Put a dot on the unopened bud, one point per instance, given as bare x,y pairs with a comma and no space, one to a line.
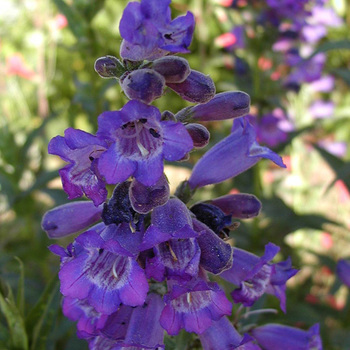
197,87
226,105
240,205
144,85
109,67
199,134
174,69
167,115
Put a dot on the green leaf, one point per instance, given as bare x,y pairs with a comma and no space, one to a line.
39,314
18,334
331,45
342,73
76,22
20,291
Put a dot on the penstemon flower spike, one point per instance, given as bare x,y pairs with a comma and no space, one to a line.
143,269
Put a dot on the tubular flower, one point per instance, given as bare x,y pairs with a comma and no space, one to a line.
138,143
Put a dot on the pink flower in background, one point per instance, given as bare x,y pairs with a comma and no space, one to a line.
16,65
60,21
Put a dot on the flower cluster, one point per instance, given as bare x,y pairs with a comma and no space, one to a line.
143,263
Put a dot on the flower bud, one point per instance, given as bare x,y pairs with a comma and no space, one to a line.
109,67
70,218
241,205
144,85
226,105
199,134
167,115
197,87
174,69
145,198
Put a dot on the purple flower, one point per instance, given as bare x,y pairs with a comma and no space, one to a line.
175,259
149,33
256,276
170,221
343,271
174,69
138,143
200,134
216,255
322,109
194,307
324,84
226,105
82,150
269,131
70,218
91,271
136,327
277,337
222,335
89,320
231,156
240,205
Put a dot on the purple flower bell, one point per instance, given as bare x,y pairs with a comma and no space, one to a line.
194,306
233,155
91,271
149,33
240,205
343,271
277,337
256,276
70,218
82,150
222,335
174,69
138,142
200,134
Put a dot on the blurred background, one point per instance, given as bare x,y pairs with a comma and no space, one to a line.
294,64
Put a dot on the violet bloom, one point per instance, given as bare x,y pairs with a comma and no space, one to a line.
322,109
343,271
138,143
70,218
222,335
149,33
194,307
89,320
269,131
324,84
170,221
81,176
277,337
256,276
233,155
91,271
137,327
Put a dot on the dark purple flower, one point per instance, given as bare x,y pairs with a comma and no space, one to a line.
233,155
103,278
194,307
216,255
173,69
170,221
200,134
144,85
175,259
82,150
109,67
144,199
89,320
222,335
149,33
70,218
226,105
240,205
256,276
343,271
277,337
137,327
138,143
197,87
269,131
